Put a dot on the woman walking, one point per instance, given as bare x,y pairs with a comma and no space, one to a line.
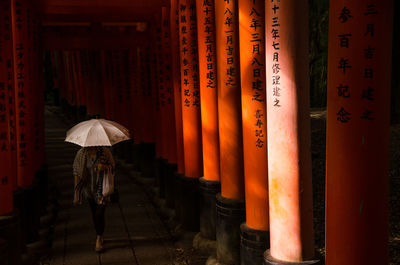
93,171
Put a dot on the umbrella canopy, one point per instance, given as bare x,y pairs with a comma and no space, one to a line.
97,132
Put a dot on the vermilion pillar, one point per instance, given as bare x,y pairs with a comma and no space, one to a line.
176,84
229,104
9,62
357,141
210,182
7,173
190,95
288,125
22,94
230,133
168,89
190,89
208,88
252,69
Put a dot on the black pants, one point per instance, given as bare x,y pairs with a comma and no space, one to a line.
98,211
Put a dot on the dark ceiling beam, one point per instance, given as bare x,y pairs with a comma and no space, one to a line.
99,10
53,40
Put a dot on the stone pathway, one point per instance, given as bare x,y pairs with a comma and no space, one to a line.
134,233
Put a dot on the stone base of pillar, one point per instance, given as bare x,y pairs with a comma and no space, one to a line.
10,232
169,182
253,244
32,202
178,196
188,203
160,165
204,245
42,179
146,159
230,215
269,260
208,191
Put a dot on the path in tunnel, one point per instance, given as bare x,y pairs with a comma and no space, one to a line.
134,233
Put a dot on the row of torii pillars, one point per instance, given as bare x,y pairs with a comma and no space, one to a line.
222,92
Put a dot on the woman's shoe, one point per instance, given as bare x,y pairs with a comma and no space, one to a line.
99,244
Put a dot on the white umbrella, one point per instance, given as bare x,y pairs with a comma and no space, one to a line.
97,132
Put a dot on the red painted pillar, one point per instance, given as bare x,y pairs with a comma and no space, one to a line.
168,93
208,88
191,119
230,132
190,89
9,62
288,124
23,94
357,141
7,173
252,70
210,182
176,83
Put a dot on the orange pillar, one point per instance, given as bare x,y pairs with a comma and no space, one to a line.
208,88
176,83
169,132
288,125
190,90
9,60
252,70
210,182
229,105
7,173
24,126
230,133
191,121
357,141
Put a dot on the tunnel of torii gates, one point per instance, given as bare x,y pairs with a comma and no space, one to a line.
216,97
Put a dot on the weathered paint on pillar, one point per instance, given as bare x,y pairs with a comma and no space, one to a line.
176,83
168,89
229,102
288,125
252,69
7,173
357,141
22,94
208,88
190,89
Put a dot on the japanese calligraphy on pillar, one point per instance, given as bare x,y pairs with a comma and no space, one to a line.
22,92
166,51
207,44
8,59
5,151
189,59
275,84
349,64
254,58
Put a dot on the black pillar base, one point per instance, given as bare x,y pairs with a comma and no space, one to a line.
188,204
208,191
269,260
178,196
147,156
160,164
32,201
169,182
253,244
230,215
10,232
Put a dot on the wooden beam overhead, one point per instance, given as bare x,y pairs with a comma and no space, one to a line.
99,10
